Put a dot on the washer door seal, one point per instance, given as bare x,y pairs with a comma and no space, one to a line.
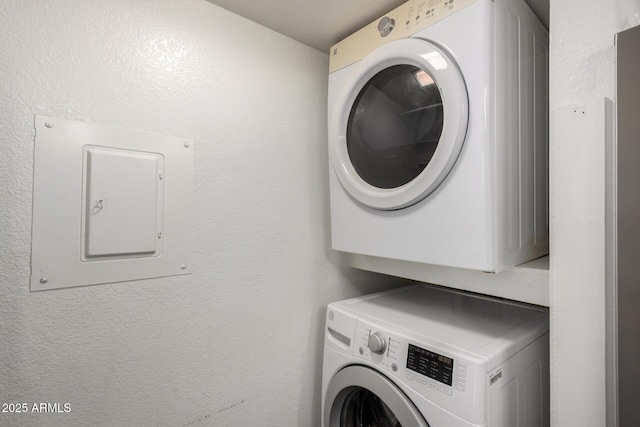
400,123
354,378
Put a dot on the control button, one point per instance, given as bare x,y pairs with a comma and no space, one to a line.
410,375
460,378
422,380
457,387
460,383
386,25
377,343
461,364
446,390
432,384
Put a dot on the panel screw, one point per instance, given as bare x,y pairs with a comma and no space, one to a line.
184,267
49,125
160,176
44,280
159,235
186,145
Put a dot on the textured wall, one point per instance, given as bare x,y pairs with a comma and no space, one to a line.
581,71
582,65
238,343
627,14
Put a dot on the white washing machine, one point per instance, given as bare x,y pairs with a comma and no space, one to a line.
438,135
425,356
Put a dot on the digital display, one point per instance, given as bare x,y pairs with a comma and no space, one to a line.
430,364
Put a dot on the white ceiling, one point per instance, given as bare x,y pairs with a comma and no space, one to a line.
321,24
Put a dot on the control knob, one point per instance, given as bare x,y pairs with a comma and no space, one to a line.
377,343
386,25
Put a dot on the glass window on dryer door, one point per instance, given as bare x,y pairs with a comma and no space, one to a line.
394,126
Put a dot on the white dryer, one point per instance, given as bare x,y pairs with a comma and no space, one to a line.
438,135
423,356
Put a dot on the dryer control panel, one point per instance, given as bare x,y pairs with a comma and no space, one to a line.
401,22
432,369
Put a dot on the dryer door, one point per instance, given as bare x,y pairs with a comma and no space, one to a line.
399,125
360,396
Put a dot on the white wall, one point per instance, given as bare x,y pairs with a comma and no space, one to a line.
582,67
627,14
581,71
238,343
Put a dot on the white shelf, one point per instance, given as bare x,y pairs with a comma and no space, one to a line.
527,282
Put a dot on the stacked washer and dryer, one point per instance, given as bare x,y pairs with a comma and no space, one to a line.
438,144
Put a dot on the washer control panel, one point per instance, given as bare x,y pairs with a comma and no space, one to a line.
377,343
430,364
434,370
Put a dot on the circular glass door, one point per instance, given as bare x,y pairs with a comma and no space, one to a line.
359,396
394,126
363,408
399,125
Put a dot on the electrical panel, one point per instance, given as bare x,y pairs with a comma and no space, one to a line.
109,205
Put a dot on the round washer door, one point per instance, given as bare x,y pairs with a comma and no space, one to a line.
399,124
360,396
